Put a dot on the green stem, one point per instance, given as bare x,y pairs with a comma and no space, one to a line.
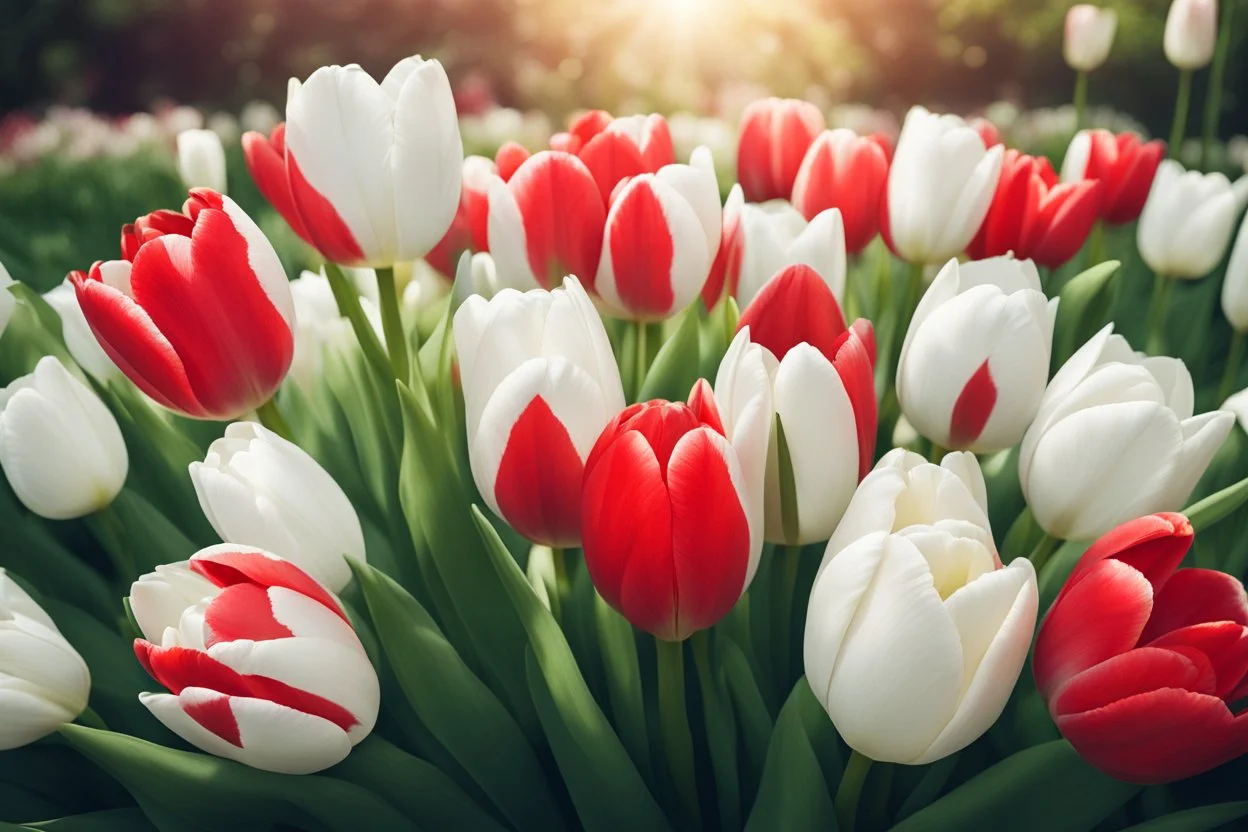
1155,342
849,791
936,453
674,724
850,304
1096,250
1081,98
1044,550
348,300
914,292
91,719
1231,374
1181,105
785,587
640,361
109,531
1213,98
392,324
559,557
271,417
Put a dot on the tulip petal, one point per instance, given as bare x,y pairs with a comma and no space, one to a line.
611,157
228,564
266,162
1225,643
1154,545
1196,596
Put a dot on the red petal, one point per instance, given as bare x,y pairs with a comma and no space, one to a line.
754,170
1130,674
326,230
1154,545
538,487
662,424
215,714
1131,179
973,408
589,124
641,249
656,144
130,242
855,364
563,216
1224,643
1066,217
243,611
266,161
725,270
1197,596
509,159
612,157
229,568
702,403
793,307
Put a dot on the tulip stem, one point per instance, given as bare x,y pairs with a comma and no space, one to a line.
1155,342
1213,99
1181,105
347,297
559,556
1044,550
91,719
1096,251
1081,98
937,453
849,791
790,558
674,724
271,417
639,368
1231,374
392,324
914,292
109,531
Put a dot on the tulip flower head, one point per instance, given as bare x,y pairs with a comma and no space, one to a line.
1191,33
1124,164
8,303
1140,661
198,314
263,667
79,339
1115,438
201,160
1235,284
1187,222
266,162
1089,36
509,158
975,360
44,683
726,267
774,235
469,230
620,148
849,172
775,135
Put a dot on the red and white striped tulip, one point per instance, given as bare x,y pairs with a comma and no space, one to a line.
775,135
849,172
620,148
199,314
726,267
540,383
263,667
469,230
774,235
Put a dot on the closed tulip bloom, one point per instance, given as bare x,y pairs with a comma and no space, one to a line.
775,235
201,160
914,640
662,233
845,171
1089,35
1187,222
79,339
726,267
620,148
975,359
509,158
199,314
60,447
823,390
672,513
540,384
1034,216
259,489
44,683
1191,33
266,162
1124,164
939,187
1115,438
1235,284
469,230
264,668
545,222
775,135
1141,662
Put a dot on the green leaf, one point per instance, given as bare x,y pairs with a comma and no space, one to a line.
788,484
1041,788
1084,309
933,782
752,713
623,675
721,734
677,366
1195,820
459,710
793,794
106,820
1217,507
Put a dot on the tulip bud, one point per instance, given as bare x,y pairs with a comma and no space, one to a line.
469,229
44,683
540,383
60,447
1141,662
775,235
1089,35
79,339
259,489
1124,164
264,668
1235,284
1187,222
975,359
1191,33
845,171
939,187
621,148
8,303
201,160
200,323
1115,438
775,135
940,631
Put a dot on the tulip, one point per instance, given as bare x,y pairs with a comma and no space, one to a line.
1235,306
975,359
264,668
60,447
319,325
201,160
8,303
1114,439
845,171
1140,661
914,640
662,234
821,375
726,267
1124,164
672,509
540,384
266,162
44,683
988,132
259,489
775,235
939,188
546,221
1191,33
617,149
79,339
1089,35
509,158
199,314
1187,222
469,230
775,135
1035,217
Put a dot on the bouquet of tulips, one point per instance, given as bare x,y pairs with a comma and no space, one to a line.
571,495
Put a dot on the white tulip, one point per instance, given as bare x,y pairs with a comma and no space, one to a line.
8,303
1115,439
258,489
60,446
775,234
79,339
318,322
201,160
44,683
1191,32
1237,405
1089,36
1187,222
1235,284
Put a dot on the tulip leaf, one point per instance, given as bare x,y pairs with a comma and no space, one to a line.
793,794
623,676
347,296
1040,788
459,710
677,366
605,786
106,820
751,709
788,486
1195,820
931,785
1084,308
1217,507
721,734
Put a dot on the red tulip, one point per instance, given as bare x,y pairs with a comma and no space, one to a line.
1125,165
726,267
626,147
987,131
468,231
665,517
1139,663
846,171
1034,216
199,313
775,135
509,159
